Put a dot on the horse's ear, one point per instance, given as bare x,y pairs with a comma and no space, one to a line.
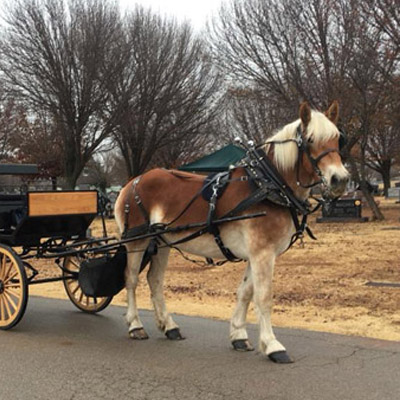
305,113
333,112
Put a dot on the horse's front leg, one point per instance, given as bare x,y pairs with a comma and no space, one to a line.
262,267
238,333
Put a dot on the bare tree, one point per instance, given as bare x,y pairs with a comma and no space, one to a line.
38,142
386,14
316,50
105,169
383,144
12,123
60,57
165,93
249,113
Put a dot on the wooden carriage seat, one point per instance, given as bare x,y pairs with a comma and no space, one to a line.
50,210
42,204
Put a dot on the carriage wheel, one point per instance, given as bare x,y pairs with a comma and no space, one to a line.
85,303
13,288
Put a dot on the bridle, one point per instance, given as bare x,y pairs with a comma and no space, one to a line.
304,148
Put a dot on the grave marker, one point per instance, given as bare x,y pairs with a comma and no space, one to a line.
343,210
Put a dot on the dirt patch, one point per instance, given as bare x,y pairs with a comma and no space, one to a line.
318,287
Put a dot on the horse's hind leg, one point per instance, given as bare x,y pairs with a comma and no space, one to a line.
238,333
155,278
136,330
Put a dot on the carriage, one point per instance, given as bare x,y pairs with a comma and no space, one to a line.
45,225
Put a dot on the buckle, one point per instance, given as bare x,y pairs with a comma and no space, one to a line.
299,141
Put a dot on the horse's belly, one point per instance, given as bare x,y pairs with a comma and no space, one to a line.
206,246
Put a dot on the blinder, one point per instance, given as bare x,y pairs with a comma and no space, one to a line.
342,139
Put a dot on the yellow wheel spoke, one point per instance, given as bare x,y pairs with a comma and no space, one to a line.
7,306
11,277
10,300
74,263
12,285
2,309
5,267
76,288
12,292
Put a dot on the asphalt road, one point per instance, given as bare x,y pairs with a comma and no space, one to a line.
58,353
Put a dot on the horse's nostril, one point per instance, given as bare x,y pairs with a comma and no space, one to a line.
338,181
334,180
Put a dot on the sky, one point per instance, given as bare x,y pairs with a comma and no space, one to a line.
196,11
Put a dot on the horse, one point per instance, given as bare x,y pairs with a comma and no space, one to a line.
168,197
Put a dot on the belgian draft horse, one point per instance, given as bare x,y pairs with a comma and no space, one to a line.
165,193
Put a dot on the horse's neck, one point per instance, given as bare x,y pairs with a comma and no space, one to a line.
291,179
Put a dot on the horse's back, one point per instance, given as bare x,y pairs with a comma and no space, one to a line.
163,194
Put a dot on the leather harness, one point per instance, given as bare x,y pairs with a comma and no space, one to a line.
267,185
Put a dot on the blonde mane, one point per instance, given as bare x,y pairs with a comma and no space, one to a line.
320,128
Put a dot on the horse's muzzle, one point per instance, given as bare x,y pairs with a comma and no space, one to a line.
338,185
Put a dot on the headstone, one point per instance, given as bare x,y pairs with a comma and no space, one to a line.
394,193
343,210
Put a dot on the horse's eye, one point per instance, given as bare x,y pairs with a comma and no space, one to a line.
310,140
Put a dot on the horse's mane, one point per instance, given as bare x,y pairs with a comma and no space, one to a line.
320,128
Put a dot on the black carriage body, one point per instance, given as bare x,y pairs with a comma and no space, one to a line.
52,225
22,223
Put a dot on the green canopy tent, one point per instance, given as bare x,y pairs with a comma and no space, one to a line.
218,161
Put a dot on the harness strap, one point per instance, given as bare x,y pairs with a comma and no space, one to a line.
255,197
138,201
213,228
268,169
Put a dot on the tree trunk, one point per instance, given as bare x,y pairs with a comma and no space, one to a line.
72,177
377,214
54,183
359,177
385,172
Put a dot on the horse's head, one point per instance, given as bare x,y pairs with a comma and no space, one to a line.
320,147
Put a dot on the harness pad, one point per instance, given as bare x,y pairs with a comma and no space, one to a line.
210,181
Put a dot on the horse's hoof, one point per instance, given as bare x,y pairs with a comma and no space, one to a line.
280,357
138,334
174,334
242,345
